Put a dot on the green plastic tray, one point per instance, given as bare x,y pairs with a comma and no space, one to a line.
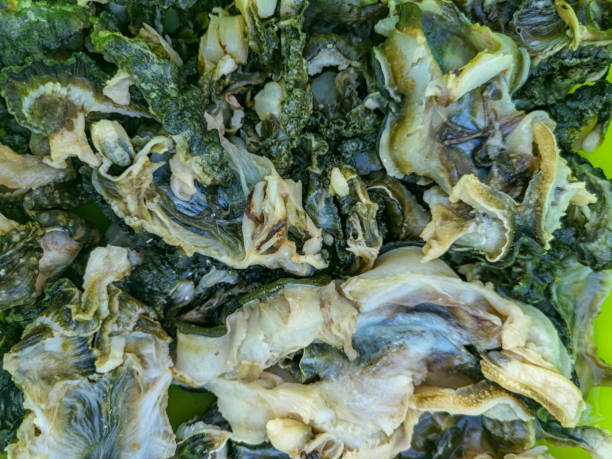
600,398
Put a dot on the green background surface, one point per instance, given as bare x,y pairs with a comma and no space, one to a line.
600,398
